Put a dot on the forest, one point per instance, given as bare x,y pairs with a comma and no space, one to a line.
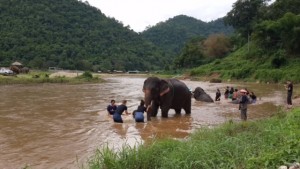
256,40
265,46
71,34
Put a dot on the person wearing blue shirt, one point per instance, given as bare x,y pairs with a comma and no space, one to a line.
119,111
112,107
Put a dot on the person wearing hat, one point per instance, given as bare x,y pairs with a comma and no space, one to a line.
243,106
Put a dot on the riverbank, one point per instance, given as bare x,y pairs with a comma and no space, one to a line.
267,143
36,77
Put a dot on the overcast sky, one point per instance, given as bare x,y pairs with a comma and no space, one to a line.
139,14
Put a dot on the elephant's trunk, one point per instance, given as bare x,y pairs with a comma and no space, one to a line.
148,103
147,97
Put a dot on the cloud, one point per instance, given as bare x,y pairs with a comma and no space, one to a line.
139,14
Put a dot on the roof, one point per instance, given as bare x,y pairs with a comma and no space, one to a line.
16,64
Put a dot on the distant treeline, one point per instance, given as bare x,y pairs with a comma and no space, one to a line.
73,35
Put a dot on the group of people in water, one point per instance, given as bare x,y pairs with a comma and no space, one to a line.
117,111
235,95
242,97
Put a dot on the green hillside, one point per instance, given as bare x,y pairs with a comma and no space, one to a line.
264,48
172,34
72,35
247,66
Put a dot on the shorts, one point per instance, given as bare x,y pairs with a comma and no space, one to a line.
117,118
139,117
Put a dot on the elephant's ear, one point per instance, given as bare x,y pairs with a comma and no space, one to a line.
164,87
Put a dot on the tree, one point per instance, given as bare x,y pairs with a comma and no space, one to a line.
191,55
283,33
280,7
244,15
217,46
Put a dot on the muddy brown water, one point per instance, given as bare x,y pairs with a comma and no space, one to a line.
60,126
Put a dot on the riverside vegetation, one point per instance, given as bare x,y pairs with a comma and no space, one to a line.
267,143
44,77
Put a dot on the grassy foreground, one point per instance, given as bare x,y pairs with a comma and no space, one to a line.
266,143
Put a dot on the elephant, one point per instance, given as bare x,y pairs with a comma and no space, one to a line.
166,94
200,95
24,70
15,69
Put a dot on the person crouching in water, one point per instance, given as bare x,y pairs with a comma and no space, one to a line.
119,111
112,107
243,104
138,114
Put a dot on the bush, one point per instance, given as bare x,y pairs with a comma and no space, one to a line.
86,75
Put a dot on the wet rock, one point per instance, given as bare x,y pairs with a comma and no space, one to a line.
215,81
292,166
295,166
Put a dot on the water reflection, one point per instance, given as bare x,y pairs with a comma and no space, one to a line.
59,126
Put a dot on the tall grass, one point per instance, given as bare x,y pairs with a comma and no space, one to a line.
266,143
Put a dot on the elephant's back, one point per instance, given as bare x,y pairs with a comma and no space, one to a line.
180,86
181,92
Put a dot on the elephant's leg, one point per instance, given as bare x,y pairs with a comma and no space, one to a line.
178,111
187,108
164,113
154,109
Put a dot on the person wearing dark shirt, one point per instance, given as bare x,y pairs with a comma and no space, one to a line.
231,93
119,111
253,97
218,95
289,88
226,92
243,104
139,113
112,107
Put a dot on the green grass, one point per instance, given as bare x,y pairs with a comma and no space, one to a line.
44,77
260,144
254,65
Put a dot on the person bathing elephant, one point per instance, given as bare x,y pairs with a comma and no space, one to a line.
166,94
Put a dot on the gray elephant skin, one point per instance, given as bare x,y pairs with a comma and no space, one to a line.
166,94
201,95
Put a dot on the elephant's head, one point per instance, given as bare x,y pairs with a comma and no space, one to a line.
200,95
154,88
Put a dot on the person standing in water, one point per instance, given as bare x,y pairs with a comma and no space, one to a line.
243,106
289,88
119,111
226,94
218,95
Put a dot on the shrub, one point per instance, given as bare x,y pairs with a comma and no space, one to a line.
86,75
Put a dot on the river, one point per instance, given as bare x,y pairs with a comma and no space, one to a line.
61,125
